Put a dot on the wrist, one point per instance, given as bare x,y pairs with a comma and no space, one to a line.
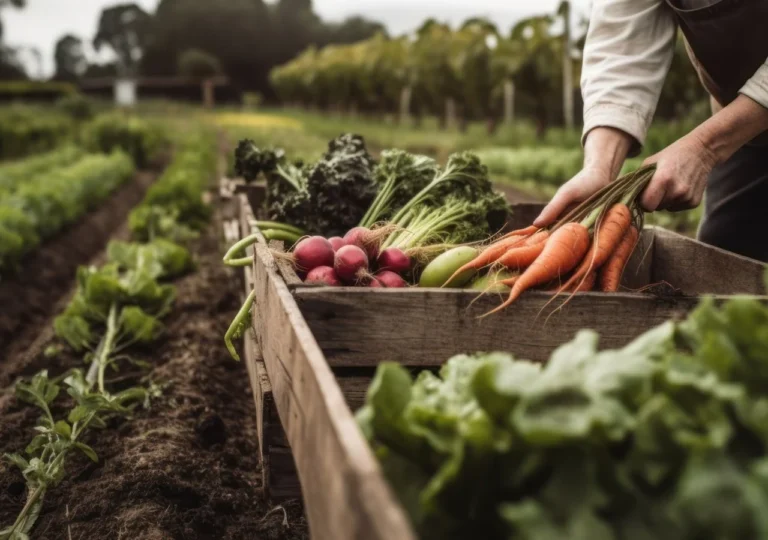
605,150
731,128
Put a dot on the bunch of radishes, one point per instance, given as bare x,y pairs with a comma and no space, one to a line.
354,260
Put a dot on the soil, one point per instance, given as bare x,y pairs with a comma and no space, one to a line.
30,296
187,468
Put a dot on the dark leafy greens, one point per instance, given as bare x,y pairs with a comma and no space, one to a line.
329,197
663,439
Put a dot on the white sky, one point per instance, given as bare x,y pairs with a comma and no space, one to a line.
43,22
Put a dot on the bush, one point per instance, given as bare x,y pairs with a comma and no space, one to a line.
140,139
26,130
199,64
77,106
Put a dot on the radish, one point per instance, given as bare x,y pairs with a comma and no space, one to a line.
323,275
350,263
395,260
375,284
365,239
313,252
389,279
337,242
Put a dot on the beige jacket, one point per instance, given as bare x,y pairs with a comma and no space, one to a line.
628,52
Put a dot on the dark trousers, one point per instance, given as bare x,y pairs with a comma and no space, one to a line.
736,204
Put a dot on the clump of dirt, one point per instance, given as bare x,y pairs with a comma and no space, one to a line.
188,467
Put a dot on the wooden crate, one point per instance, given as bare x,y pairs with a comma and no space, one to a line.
315,348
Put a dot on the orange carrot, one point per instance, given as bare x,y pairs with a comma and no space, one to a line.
528,231
523,256
561,253
588,283
488,256
493,252
610,276
607,237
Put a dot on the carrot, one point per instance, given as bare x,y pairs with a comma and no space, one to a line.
610,276
588,283
523,256
609,234
561,253
527,231
492,253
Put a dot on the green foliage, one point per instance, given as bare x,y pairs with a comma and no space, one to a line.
329,197
664,438
26,130
12,174
173,207
159,258
139,138
76,106
42,205
199,64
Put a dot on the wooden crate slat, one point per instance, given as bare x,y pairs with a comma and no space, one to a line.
344,491
704,269
425,327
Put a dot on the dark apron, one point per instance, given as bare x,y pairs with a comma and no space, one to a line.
728,42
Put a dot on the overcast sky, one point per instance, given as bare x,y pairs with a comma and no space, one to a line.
42,22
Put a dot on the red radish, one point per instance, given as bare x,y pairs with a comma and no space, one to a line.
375,284
364,239
313,252
337,242
395,260
389,279
351,263
324,275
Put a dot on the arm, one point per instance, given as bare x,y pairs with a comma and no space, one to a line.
626,58
683,167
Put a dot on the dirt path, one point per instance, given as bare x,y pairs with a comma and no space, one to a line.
185,469
30,297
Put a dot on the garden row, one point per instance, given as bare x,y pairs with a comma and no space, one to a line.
42,194
117,308
646,434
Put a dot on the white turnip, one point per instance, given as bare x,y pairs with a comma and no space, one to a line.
351,264
313,252
324,275
395,260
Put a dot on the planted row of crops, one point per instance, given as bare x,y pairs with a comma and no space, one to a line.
42,194
30,130
117,309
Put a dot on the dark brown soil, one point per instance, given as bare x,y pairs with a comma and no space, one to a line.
29,297
185,469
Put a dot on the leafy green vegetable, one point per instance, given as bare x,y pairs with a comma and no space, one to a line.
329,198
664,438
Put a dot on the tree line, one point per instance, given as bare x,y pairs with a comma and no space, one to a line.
243,39
474,72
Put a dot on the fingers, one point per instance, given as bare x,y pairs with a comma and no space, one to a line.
665,192
564,198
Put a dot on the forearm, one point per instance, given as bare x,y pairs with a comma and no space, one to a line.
605,150
732,127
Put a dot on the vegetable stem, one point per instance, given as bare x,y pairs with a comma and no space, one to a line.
106,347
242,244
238,324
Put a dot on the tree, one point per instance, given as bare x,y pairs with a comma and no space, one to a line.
124,28
199,64
565,13
70,58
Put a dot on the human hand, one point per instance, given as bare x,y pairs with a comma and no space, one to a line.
577,189
681,175
604,152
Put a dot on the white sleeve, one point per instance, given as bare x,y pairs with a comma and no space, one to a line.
756,87
628,52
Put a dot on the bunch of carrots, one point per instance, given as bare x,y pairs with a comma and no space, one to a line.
587,248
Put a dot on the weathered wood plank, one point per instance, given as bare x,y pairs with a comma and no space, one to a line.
345,495
285,268
698,268
424,327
